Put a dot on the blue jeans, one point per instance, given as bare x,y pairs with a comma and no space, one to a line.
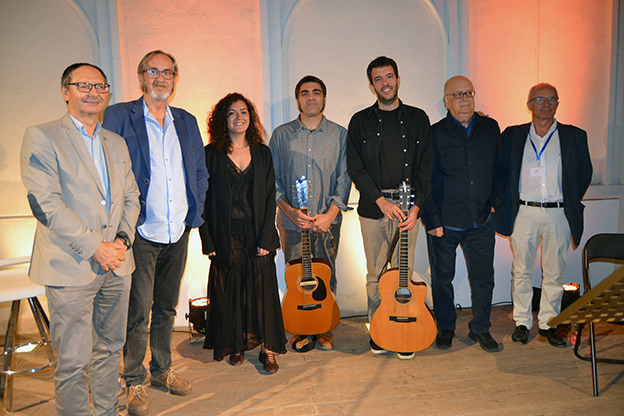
156,287
478,247
320,246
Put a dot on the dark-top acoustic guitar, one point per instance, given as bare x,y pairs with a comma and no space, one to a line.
402,322
309,306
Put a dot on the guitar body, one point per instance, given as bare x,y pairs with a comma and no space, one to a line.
309,306
404,325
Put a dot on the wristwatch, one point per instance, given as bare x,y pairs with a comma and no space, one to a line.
124,239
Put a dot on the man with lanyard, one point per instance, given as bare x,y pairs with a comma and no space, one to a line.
168,161
549,171
315,147
468,183
379,137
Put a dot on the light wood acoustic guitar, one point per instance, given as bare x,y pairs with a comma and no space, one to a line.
402,322
309,306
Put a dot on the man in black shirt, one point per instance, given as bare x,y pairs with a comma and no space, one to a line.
468,182
388,143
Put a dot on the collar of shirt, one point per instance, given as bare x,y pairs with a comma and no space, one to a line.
322,126
374,109
148,115
536,137
81,128
471,123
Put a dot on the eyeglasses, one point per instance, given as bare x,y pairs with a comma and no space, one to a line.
542,100
87,87
459,95
153,73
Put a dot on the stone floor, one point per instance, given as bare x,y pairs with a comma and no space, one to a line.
532,379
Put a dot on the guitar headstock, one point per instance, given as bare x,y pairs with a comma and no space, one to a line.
406,197
301,186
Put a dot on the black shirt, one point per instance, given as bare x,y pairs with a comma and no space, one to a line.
410,150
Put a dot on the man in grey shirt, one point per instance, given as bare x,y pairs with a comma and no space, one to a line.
314,147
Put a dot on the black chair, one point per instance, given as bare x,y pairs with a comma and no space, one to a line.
606,248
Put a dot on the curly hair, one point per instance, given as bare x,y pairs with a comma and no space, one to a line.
218,129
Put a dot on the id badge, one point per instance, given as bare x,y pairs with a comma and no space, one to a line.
539,171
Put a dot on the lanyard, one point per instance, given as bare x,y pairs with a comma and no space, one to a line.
541,152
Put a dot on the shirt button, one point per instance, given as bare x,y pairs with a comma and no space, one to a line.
404,150
102,202
104,226
377,134
403,136
406,164
471,183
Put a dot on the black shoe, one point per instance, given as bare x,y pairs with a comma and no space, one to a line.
376,349
485,341
303,343
553,336
444,339
520,335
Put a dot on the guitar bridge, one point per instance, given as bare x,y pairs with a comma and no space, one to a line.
309,307
403,319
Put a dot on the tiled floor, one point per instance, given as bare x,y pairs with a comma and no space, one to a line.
532,379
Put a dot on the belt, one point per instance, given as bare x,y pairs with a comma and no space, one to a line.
542,204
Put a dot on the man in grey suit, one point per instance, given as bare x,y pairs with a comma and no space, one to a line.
82,192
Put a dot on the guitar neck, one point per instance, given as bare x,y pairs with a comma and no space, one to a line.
306,250
404,257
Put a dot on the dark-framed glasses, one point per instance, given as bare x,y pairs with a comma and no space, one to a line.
542,100
459,95
87,87
153,73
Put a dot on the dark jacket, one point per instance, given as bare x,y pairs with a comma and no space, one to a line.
127,120
363,155
576,169
469,174
215,233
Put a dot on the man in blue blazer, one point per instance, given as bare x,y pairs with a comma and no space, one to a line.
168,161
549,171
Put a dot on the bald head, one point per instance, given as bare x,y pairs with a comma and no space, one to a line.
541,86
461,108
543,102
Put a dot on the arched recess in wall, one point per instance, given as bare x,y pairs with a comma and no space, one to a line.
336,40
38,40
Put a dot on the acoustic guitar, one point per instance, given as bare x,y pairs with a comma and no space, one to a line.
402,322
309,306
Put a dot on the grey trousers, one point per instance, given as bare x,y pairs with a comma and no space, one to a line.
88,328
377,236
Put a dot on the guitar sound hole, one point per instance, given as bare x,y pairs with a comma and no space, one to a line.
403,295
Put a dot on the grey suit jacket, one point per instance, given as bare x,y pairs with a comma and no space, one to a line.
66,196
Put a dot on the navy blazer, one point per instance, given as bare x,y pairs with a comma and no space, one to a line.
127,120
576,169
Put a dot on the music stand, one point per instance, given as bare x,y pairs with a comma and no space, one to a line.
603,303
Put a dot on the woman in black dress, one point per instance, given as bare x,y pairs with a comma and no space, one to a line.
240,238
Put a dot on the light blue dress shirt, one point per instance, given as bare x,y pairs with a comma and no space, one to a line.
166,201
95,149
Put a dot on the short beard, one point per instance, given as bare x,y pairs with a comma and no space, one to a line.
387,101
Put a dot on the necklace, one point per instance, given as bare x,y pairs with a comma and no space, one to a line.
240,148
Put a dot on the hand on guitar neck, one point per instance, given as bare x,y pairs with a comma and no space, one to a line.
297,216
392,211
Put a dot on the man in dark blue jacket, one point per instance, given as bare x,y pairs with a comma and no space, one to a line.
168,161
468,181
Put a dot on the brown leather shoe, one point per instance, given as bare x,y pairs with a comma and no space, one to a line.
172,381
136,403
237,358
325,341
267,358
